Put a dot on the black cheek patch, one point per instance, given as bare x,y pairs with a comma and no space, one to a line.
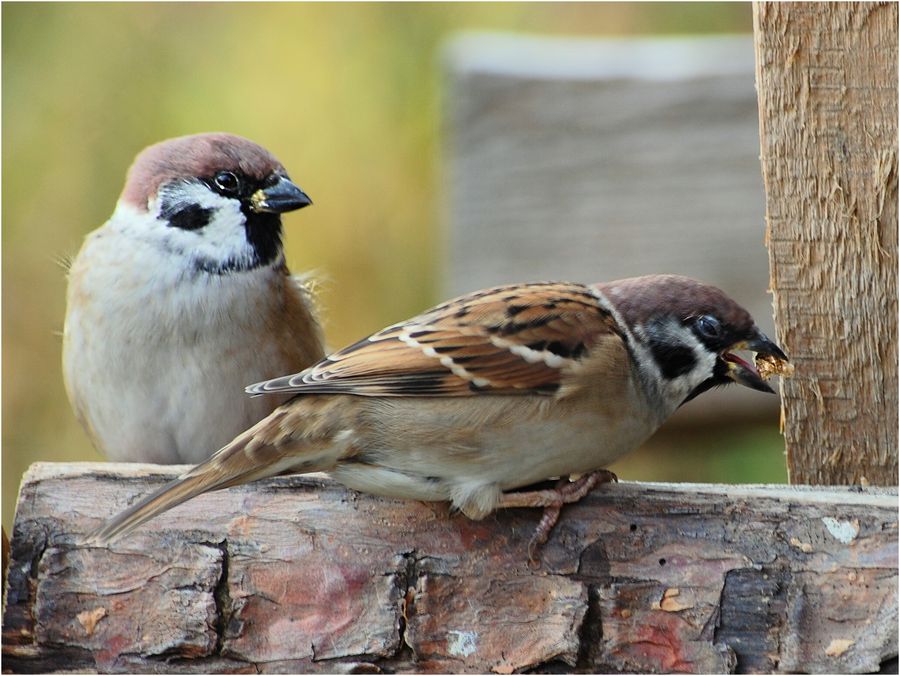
673,360
186,216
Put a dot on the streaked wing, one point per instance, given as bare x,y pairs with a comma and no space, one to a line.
509,339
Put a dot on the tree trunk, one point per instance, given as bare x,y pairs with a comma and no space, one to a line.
827,84
297,574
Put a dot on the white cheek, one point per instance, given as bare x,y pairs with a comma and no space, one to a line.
223,238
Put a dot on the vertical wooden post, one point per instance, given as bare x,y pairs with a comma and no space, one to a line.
827,82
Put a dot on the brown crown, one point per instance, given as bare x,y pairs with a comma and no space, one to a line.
639,298
194,156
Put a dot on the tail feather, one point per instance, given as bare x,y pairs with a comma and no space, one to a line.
170,495
228,467
271,447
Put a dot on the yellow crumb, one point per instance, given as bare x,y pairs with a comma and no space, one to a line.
769,366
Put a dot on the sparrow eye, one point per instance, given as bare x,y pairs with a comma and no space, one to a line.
708,327
227,182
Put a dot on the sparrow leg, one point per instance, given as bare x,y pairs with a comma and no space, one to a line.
552,500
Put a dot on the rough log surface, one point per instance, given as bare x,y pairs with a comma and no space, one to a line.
827,81
297,574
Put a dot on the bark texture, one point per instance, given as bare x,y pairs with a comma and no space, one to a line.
827,83
297,574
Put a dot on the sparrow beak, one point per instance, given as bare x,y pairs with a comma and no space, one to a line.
278,198
743,372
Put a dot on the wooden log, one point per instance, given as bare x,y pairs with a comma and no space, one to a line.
827,81
298,574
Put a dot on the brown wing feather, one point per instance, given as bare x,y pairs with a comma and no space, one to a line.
511,339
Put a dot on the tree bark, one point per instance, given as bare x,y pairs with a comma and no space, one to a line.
827,84
297,574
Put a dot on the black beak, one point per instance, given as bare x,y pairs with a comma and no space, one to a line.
745,373
762,345
278,198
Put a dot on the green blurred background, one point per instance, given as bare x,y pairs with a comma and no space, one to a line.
346,95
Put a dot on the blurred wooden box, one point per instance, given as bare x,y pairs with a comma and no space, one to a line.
591,160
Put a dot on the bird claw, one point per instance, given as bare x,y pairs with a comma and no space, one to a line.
542,533
566,492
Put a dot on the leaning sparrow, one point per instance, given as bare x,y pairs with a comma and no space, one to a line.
490,392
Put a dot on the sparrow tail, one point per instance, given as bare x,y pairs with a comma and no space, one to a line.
228,467
172,494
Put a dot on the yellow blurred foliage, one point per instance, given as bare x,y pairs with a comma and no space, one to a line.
346,95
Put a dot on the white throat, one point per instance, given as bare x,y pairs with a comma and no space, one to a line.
159,267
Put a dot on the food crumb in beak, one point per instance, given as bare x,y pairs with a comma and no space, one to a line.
770,365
